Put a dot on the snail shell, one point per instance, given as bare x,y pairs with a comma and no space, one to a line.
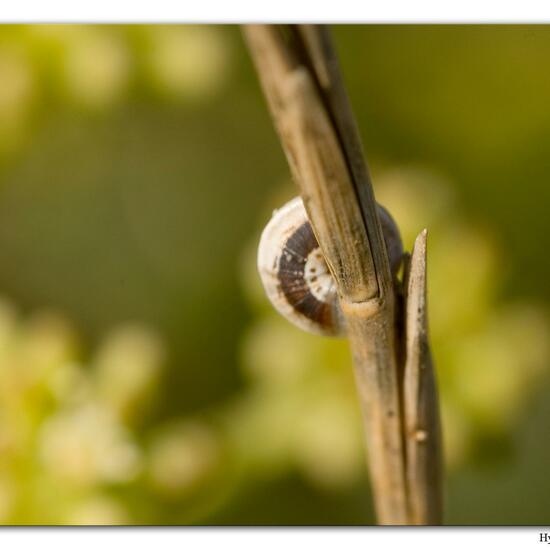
295,275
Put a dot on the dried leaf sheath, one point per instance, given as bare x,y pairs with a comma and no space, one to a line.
422,425
326,188
321,56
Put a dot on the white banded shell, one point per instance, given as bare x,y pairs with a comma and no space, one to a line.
295,275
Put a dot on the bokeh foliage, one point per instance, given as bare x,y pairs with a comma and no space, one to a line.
143,376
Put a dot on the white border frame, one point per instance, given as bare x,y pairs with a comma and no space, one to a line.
277,11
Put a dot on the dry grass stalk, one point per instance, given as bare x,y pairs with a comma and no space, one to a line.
421,407
306,95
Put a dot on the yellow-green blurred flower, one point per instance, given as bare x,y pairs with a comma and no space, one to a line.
97,510
127,367
17,94
64,435
87,446
182,456
95,67
188,62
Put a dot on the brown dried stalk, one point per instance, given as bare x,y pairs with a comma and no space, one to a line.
421,407
301,79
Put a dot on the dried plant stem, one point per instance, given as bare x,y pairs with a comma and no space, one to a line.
306,96
422,427
336,216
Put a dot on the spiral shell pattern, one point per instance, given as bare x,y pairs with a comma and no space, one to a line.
295,275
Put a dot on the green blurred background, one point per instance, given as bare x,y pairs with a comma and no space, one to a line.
144,379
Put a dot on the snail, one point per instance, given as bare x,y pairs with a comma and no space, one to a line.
295,275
